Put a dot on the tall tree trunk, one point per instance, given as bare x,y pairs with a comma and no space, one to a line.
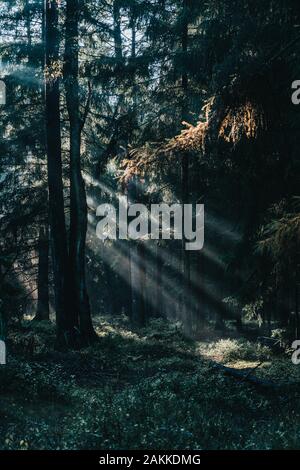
185,169
28,29
42,312
78,205
297,293
133,58
43,277
63,306
137,255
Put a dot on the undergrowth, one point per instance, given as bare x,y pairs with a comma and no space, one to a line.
151,389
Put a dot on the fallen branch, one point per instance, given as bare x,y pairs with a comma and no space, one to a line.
248,377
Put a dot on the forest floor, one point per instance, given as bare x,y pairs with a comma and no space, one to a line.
152,389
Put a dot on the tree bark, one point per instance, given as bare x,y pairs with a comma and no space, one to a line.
43,277
64,311
159,282
185,172
78,205
137,276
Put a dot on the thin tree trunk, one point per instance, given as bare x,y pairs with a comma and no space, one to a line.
159,282
42,312
133,57
137,283
137,278
185,170
2,318
117,30
43,274
297,294
28,30
137,268
78,205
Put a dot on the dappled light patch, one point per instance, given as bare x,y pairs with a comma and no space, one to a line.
235,349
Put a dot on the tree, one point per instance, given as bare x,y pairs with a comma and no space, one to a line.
78,205
66,319
42,312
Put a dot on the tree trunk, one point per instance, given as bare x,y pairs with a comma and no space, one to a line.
185,173
2,318
137,254
78,205
137,283
117,30
137,277
63,306
43,277
297,294
28,30
159,282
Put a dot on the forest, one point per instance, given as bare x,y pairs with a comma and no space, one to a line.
112,341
